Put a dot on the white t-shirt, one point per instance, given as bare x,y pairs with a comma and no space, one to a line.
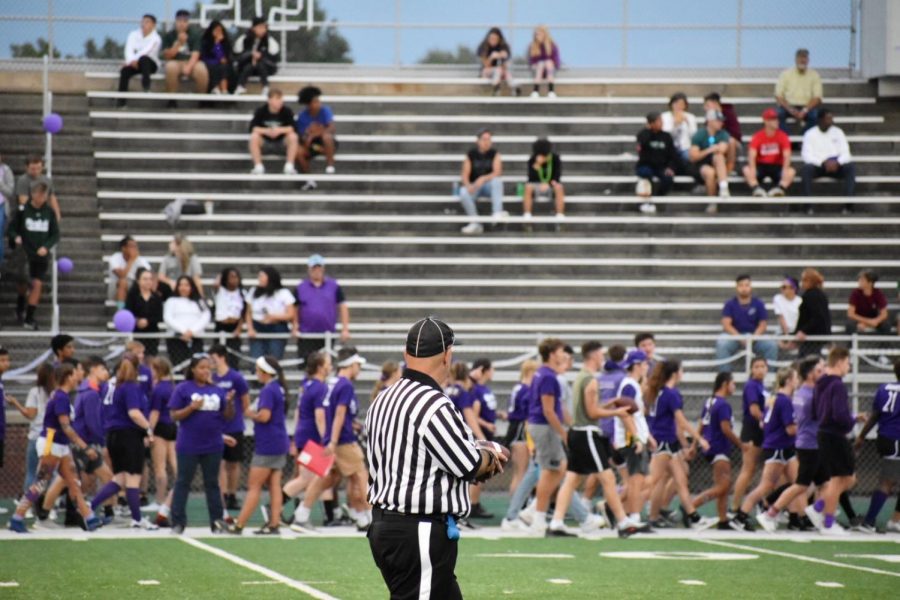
275,304
117,261
789,309
681,133
640,421
229,304
37,398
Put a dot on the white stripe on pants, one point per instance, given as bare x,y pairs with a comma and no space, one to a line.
425,560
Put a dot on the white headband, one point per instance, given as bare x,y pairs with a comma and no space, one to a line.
356,358
265,367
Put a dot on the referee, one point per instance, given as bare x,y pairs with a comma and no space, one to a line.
422,458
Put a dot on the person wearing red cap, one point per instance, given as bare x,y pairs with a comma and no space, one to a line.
769,157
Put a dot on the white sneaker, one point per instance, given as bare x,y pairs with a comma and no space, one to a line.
152,507
526,515
216,91
535,94
593,523
538,528
289,169
551,94
526,215
776,192
644,187
704,523
502,214
893,526
309,185
329,170
758,192
560,215
259,169
768,523
817,518
265,91
835,530
47,524
724,192
513,525
712,208
143,524
304,527
648,208
472,229
53,515
239,90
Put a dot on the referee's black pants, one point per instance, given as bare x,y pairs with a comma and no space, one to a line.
415,556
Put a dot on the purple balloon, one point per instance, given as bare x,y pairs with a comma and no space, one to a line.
53,123
124,320
65,264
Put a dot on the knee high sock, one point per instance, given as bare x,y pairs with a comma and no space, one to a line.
773,497
875,505
109,490
134,502
329,509
847,506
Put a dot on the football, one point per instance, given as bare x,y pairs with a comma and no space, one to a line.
629,403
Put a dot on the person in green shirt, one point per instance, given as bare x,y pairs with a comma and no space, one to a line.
181,51
34,228
709,149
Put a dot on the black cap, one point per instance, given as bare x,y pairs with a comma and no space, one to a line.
429,337
258,21
182,13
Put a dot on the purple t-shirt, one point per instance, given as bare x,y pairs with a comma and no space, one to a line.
88,420
318,305
460,397
663,424
159,400
311,397
887,406
232,380
124,397
201,432
778,417
518,402
145,380
544,383
485,396
58,406
745,317
716,410
754,393
608,383
271,438
807,427
341,393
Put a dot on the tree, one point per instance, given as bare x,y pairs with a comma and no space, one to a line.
29,50
463,56
111,49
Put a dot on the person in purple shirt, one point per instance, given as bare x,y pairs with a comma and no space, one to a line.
484,411
271,447
217,55
88,419
312,394
340,440
809,470
320,303
145,375
668,427
754,402
831,408
162,451
233,457
201,410
743,315
53,448
126,426
517,413
717,427
886,415
779,431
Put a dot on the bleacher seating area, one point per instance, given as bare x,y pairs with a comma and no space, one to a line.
389,226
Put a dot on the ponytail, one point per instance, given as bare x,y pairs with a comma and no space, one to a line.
657,380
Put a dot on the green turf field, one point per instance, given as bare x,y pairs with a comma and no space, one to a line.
487,568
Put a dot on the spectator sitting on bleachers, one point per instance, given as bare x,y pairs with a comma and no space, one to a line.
815,314
186,317
34,228
744,315
709,147
496,58
181,261
543,56
799,93
271,129
826,153
480,177
315,125
216,54
257,55
181,51
7,199
682,125
146,304
730,123
786,305
34,169
123,267
867,308
544,179
769,157
657,159
141,51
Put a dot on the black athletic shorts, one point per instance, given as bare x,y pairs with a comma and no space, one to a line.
514,433
234,454
887,448
836,455
778,455
668,448
810,471
317,146
773,172
38,266
752,432
166,431
84,463
588,452
126,450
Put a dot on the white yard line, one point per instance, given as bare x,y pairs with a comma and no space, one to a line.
820,561
264,571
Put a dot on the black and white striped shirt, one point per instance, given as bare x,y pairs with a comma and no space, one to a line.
421,453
